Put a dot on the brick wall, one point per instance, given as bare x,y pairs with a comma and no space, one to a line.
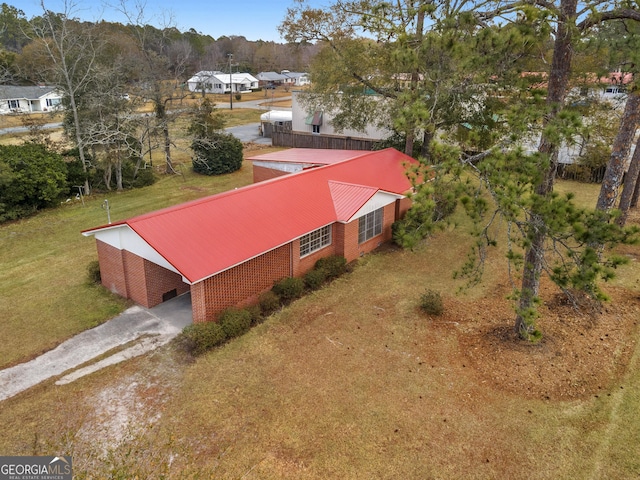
347,236
239,285
160,281
136,278
262,173
303,265
402,206
112,269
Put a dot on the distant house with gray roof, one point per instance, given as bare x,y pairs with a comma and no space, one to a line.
220,82
16,99
285,77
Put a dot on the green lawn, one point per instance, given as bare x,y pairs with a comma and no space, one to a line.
44,296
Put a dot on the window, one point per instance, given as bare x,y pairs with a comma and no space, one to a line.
52,102
13,104
370,225
316,128
315,240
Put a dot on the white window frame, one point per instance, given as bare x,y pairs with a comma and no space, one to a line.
316,240
370,225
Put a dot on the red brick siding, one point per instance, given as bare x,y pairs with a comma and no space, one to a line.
349,232
262,173
402,206
133,277
303,265
159,281
112,268
239,285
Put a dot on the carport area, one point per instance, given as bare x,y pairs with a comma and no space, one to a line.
136,331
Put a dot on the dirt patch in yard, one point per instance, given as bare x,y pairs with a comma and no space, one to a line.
582,352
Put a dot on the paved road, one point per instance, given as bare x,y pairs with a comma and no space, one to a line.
141,329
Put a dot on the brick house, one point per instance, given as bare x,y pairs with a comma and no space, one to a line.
228,248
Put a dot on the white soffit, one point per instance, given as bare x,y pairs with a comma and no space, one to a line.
123,237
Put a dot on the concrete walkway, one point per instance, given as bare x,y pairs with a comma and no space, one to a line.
145,329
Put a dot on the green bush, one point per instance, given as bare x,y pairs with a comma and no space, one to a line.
199,338
235,321
315,278
431,302
255,312
333,266
31,178
217,154
269,302
93,272
289,288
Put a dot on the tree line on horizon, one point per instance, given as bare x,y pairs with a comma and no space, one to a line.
189,51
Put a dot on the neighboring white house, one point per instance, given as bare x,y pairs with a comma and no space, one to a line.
307,119
285,77
299,79
15,99
220,82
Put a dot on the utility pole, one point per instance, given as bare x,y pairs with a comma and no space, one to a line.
230,55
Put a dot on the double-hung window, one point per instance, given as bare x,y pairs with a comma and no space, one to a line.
315,240
370,225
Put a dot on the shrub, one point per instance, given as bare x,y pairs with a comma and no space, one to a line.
198,338
93,272
289,288
238,96
255,313
315,278
333,266
269,302
431,302
217,154
31,178
235,321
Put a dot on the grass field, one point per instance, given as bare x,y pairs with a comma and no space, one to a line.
348,382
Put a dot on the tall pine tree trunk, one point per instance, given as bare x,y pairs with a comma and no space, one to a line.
620,152
557,88
636,194
630,185
415,77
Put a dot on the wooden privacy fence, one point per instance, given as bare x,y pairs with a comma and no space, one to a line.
282,136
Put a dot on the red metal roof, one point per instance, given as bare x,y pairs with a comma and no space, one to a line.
314,156
348,198
209,235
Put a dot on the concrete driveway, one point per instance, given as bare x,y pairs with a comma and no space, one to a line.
140,329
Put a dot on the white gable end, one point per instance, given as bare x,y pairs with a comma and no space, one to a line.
379,200
123,237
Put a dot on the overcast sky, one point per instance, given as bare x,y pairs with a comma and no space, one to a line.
253,19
